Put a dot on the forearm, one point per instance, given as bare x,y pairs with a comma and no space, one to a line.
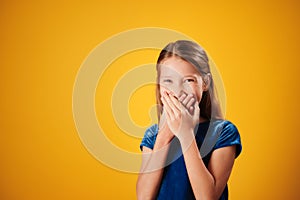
147,184
202,181
151,173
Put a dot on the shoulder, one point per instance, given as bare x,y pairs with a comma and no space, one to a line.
151,131
228,135
224,127
229,127
149,137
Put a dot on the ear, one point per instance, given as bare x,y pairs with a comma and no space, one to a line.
206,81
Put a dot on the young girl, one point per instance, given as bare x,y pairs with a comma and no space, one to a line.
191,152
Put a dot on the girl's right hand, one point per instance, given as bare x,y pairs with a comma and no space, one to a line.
163,129
181,118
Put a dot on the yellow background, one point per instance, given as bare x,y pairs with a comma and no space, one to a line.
255,45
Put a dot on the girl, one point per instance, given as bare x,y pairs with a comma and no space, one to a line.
191,152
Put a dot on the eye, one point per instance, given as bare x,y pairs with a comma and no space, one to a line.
167,81
189,80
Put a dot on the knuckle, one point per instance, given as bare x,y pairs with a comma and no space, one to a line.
178,116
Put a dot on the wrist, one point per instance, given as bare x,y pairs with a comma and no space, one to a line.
186,138
163,138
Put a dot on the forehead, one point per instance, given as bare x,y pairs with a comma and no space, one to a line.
175,66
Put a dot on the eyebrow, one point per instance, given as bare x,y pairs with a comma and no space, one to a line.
193,75
190,75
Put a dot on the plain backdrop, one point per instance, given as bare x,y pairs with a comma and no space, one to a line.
255,45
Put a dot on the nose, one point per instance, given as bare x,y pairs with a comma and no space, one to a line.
180,89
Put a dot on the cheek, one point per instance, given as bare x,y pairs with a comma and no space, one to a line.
168,88
162,89
197,91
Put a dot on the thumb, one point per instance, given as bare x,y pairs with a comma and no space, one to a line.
162,118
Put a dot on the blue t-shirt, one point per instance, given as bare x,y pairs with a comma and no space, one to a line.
209,136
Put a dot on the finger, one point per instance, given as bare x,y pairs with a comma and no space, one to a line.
187,99
175,102
162,120
191,110
182,97
172,105
169,111
168,119
190,103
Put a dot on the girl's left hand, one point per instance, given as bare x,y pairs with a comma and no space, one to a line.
182,117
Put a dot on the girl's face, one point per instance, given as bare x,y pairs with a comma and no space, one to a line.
180,77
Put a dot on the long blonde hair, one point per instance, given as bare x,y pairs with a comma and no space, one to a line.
195,55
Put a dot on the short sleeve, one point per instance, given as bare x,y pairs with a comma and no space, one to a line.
149,137
229,136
